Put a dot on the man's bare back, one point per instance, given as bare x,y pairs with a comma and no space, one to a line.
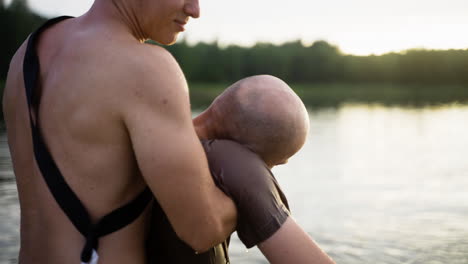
110,132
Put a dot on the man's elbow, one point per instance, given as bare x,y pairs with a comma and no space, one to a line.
203,238
204,231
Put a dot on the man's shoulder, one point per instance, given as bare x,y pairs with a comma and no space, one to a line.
148,54
16,61
14,78
150,76
144,62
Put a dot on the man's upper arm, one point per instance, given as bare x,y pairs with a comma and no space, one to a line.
168,152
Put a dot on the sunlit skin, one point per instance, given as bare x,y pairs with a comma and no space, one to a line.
115,115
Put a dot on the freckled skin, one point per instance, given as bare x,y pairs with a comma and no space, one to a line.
111,134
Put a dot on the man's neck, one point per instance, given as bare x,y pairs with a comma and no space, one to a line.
116,16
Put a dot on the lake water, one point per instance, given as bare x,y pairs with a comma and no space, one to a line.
373,184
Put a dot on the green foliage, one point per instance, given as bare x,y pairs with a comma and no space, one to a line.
334,94
2,87
17,22
320,63
331,77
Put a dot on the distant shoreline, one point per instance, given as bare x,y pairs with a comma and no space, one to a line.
336,94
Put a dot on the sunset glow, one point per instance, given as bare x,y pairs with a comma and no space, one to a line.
360,27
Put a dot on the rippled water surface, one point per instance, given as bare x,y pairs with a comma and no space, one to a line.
373,184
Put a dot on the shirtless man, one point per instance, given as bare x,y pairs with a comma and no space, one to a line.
265,123
109,115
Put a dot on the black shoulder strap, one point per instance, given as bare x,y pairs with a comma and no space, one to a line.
63,194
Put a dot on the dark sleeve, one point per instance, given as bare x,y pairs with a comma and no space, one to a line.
243,176
164,246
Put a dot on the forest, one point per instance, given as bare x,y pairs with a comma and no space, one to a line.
320,71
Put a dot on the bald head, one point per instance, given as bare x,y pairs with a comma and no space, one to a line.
264,114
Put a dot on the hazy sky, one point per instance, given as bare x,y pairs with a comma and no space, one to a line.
356,26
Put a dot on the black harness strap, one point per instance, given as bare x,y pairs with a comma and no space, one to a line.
63,194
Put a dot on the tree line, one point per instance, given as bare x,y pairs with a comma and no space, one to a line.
294,62
16,23
320,62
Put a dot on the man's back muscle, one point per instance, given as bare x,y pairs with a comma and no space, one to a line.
80,122
111,111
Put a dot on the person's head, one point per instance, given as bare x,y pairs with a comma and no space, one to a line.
159,20
262,113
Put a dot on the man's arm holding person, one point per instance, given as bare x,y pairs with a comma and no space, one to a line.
169,155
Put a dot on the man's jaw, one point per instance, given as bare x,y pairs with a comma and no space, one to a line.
181,23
